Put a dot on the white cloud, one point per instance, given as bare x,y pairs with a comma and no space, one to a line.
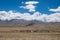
27,16
54,17
30,6
31,2
55,10
9,15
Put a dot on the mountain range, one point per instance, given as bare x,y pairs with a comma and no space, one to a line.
22,22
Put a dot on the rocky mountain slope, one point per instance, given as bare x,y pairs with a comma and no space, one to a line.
15,22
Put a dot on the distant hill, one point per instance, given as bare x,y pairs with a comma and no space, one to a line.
21,22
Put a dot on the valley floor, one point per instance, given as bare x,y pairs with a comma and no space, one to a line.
28,33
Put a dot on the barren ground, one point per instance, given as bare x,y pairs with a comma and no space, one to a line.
28,33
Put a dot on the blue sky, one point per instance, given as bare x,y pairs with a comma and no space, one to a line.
43,6
40,10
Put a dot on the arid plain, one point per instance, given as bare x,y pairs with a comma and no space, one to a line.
33,32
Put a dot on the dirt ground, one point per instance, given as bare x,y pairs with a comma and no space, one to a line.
7,33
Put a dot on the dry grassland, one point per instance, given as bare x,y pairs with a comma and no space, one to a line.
28,33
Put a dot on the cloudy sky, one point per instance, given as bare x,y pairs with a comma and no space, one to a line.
41,10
